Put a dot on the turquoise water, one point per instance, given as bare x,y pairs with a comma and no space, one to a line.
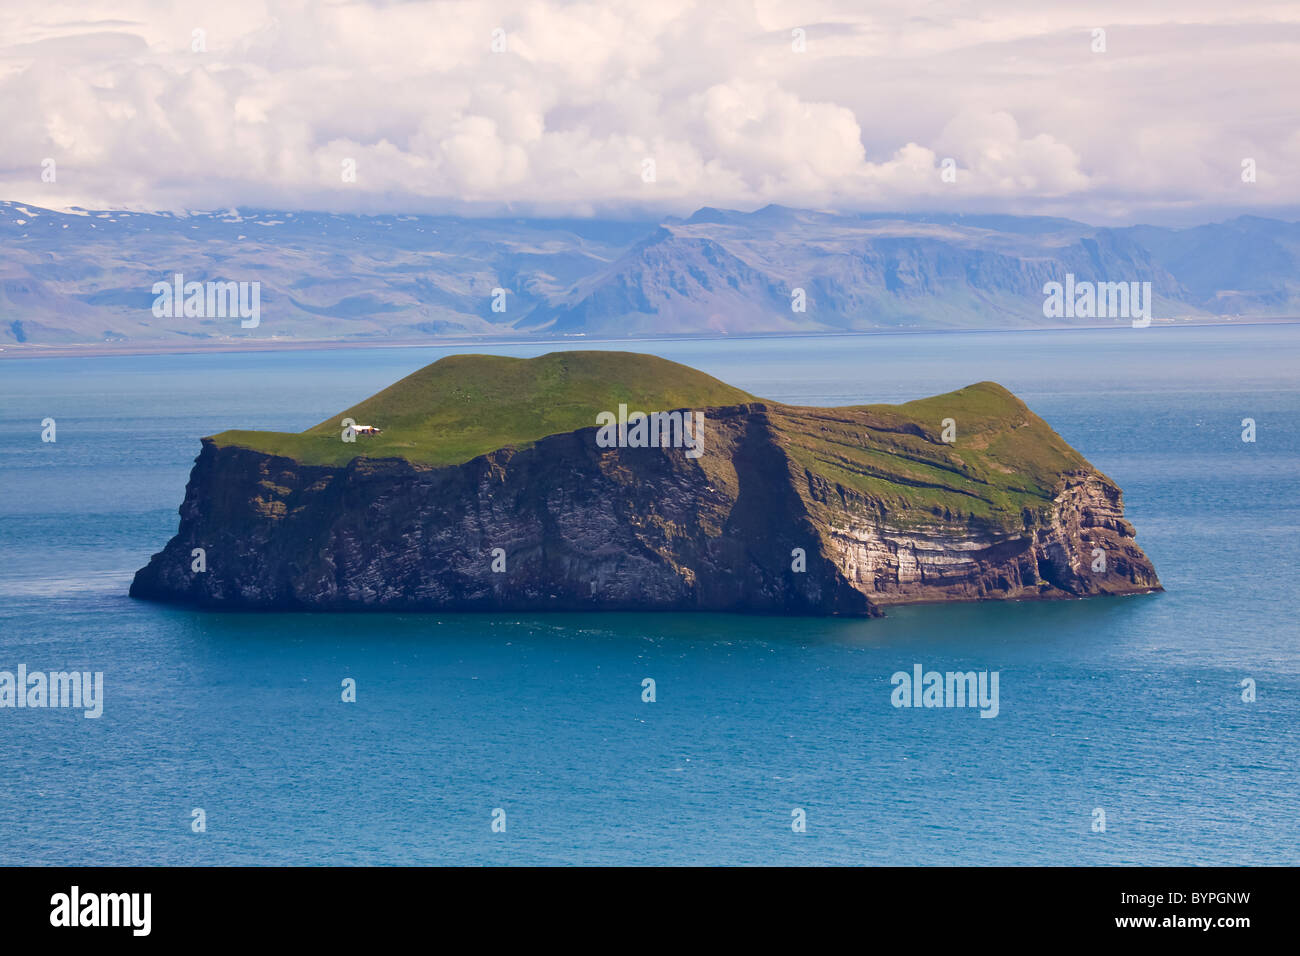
1127,704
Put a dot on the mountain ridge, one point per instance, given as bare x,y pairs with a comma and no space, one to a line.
86,277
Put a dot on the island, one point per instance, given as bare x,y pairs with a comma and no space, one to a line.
566,482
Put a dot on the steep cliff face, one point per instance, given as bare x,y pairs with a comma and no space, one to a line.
580,527
788,510
1084,547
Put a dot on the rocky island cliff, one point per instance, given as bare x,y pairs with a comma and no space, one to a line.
490,486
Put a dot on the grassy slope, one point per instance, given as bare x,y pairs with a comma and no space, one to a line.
463,406
1005,457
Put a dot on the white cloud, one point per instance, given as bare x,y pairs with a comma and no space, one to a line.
712,91
1002,162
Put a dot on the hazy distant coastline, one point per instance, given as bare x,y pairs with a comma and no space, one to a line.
104,282
95,349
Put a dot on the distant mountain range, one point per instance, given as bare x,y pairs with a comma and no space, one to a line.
88,277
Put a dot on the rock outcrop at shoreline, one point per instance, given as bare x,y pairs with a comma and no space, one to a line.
785,510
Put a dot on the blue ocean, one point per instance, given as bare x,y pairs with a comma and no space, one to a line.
1129,706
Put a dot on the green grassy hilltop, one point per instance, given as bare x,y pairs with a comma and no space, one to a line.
464,406
1004,459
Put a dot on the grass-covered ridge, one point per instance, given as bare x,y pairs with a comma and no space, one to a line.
1004,459
464,406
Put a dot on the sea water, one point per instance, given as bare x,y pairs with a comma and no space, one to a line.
1128,706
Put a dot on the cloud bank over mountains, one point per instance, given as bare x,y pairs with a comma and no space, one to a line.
554,108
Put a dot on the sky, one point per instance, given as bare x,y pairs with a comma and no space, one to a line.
655,107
